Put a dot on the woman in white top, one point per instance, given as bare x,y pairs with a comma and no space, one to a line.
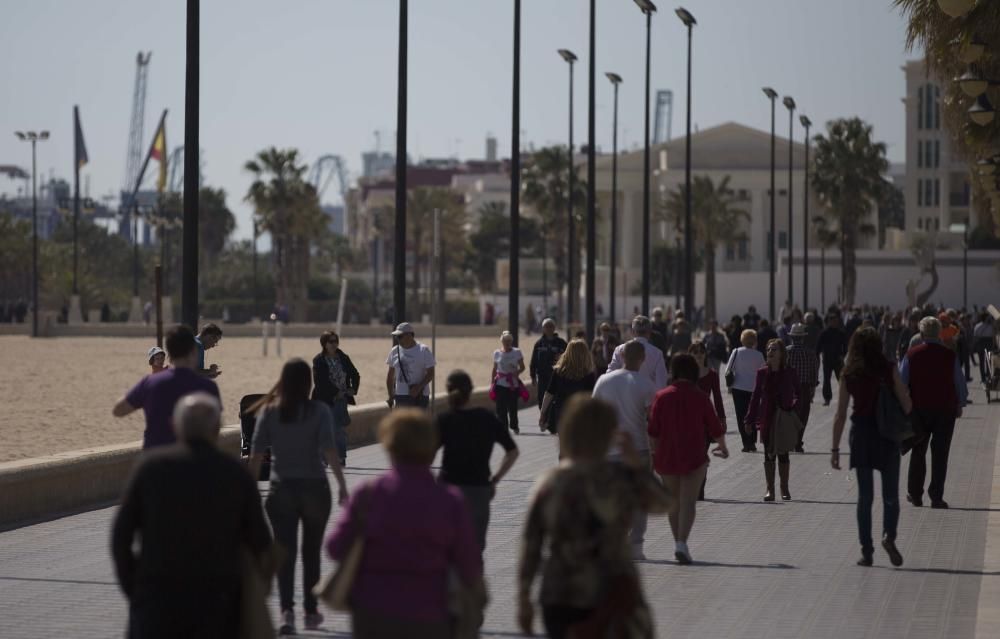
744,362
508,364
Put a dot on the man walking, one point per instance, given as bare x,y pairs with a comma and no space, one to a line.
631,394
938,389
544,356
832,345
411,369
157,394
806,364
194,508
653,366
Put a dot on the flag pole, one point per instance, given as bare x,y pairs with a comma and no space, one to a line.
76,191
135,206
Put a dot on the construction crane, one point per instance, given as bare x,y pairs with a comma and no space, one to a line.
175,176
664,115
324,170
134,153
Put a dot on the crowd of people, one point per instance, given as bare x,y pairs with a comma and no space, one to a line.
636,413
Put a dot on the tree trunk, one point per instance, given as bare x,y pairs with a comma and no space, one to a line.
709,282
848,258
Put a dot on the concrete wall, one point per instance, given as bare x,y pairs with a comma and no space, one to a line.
46,487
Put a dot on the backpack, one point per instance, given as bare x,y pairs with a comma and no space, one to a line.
893,424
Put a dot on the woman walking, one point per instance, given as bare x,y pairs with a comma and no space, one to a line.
573,373
414,531
680,420
337,381
708,383
581,512
741,371
508,364
866,371
467,437
299,432
775,388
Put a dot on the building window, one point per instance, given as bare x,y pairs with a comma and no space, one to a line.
920,108
920,223
730,252
937,192
920,192
937,153
929,154
937,224
937,108
782,239
920,154
928,192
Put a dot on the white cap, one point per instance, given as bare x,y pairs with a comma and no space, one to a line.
156,350
402,329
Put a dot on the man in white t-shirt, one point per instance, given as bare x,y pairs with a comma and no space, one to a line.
653,366
631,393
411,369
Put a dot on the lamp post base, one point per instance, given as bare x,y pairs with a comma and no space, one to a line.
75,315
135,311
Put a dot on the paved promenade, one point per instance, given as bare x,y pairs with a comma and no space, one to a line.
762,570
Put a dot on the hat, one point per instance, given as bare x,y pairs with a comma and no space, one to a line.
402,329
798,330
153,352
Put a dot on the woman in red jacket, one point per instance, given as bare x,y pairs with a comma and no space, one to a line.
680,419
775,386
708,382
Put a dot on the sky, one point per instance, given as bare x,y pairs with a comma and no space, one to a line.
320,75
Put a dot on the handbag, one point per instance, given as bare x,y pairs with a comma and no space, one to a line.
786,429
334,588
731,371
893,424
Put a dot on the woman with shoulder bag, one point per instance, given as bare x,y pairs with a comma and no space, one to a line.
866,371
741,375
337,381
774,396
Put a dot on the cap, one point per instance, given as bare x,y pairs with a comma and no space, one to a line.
403,329
156,350
798,330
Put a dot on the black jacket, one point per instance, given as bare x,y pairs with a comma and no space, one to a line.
832,344
323,389
545,354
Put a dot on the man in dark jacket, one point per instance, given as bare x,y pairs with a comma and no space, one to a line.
336,381
544,356
939,392
194,508
832,345
765,333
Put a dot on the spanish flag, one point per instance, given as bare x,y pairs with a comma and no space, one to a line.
80,146
159,152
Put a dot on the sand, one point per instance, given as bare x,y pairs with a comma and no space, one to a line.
58,393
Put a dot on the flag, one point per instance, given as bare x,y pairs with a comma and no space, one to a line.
159,153
79,145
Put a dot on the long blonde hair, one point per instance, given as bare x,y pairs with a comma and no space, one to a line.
576,361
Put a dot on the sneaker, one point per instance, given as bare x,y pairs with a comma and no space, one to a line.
916,501
894,555
313,620
682,554
517,431
800,449
287,626
866,558
637,554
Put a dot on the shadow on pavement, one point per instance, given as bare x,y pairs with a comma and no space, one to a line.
717,564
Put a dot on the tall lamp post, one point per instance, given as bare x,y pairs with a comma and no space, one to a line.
689,22
771,95
805,220
571,290
790,105
615,81
515,183
192,170
647,8
33,137
590,288
399,248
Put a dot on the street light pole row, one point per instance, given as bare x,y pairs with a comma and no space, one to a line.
33,137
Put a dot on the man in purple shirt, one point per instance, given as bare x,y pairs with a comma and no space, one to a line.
157,394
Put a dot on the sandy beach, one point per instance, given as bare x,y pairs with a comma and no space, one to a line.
58,393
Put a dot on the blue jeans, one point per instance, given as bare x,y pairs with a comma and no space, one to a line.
890,502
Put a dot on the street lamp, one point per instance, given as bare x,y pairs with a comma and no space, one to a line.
805,220
615,81
33,137
647,8
513,289
399,248
590,288
772,96
689,22
982,111
963,228
790,105
572,290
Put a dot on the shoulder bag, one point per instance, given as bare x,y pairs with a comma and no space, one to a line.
731,370
334,588
893,424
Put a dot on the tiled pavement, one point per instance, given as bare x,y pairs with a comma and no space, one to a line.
762,570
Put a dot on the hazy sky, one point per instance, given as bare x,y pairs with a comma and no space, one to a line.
320,75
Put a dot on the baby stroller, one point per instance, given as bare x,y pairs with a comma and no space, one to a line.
247,423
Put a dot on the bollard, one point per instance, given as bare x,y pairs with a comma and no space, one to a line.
263,336
277,338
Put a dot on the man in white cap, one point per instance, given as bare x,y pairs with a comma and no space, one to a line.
411,369
806,364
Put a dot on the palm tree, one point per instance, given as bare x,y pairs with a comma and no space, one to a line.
544,182
717,218
421,204
286,207
847,178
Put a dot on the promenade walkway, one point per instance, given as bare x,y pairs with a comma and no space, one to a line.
762,570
